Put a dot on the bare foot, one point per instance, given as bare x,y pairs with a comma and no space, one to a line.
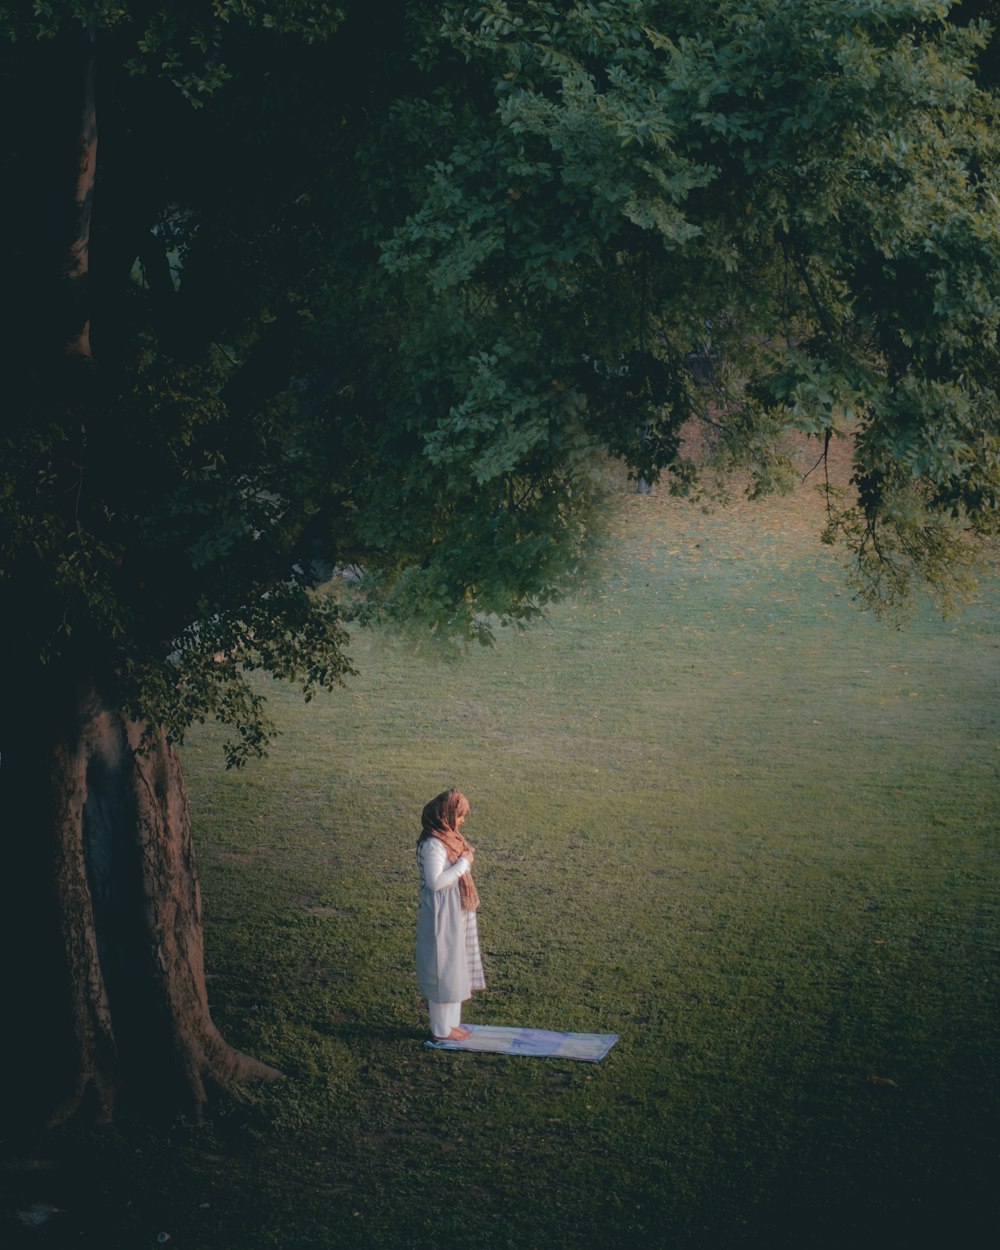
458,1034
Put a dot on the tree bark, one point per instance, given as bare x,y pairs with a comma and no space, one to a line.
108,943
76,265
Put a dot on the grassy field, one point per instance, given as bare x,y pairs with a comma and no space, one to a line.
718,810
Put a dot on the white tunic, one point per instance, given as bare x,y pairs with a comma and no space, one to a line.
449,963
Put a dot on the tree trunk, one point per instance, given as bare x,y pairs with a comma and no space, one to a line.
76,264
107,954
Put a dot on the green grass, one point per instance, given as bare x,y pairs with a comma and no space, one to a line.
718,810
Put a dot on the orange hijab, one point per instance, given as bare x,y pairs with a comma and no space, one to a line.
440,820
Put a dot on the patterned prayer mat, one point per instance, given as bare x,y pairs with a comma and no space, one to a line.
590,1047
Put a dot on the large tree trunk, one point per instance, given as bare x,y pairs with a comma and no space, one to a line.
107,956
76,263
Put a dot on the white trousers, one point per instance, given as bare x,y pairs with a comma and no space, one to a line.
444,1017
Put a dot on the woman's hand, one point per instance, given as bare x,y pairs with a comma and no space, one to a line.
470,855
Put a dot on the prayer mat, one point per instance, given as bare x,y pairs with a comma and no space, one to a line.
590,1047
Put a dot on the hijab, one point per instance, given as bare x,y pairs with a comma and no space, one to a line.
440,820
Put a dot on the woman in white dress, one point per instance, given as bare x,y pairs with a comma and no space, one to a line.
449,962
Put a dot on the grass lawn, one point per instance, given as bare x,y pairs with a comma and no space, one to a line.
718,810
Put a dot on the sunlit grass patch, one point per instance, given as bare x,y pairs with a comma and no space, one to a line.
718,810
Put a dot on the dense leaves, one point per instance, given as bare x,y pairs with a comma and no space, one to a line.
369,293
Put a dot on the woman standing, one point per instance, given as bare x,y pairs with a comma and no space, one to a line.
449,962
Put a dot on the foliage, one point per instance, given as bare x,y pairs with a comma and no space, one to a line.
372,290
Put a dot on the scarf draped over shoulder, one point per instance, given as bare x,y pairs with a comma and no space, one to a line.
440,820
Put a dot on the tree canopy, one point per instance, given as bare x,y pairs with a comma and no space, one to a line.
373,287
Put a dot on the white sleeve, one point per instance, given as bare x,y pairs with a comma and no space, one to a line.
438,873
